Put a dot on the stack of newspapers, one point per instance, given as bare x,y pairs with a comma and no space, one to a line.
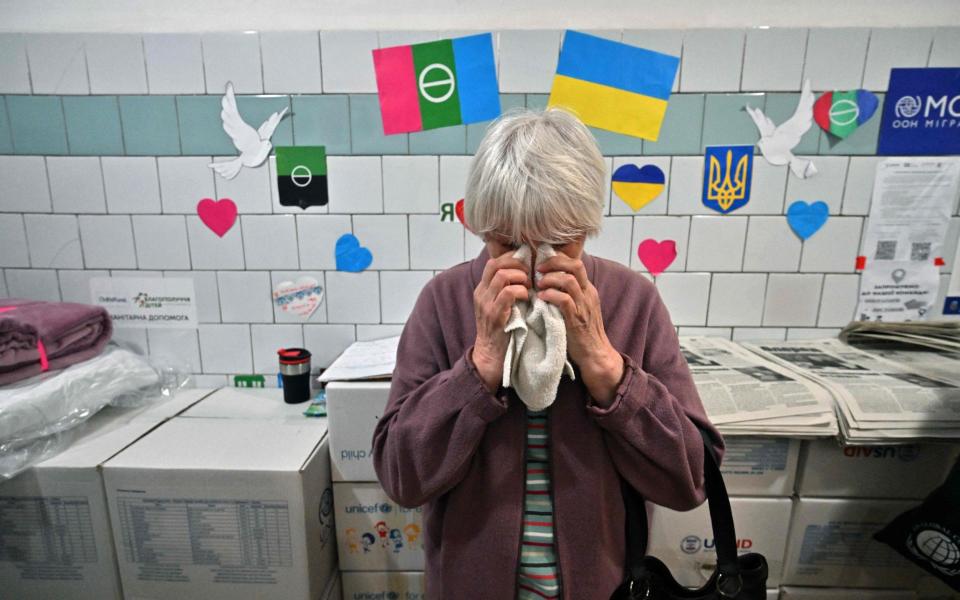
942,336
747,394
882,396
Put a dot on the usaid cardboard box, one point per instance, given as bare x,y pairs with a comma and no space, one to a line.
905,471
832,545
812,593
684,540
760,466
373,532
265,404
354,407
55,539
218,509
383,585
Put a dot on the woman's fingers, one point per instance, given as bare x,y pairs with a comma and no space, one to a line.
504,261
562,262
508,296
561,300
565,282
504,278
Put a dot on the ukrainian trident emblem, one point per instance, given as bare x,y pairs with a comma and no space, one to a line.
727,172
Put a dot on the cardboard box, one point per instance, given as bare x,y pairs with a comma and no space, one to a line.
218,509
932,588
55,538
905,471
373,532
832,545
760,466
265,404
813,593
383,585
354,407
334,589
684,540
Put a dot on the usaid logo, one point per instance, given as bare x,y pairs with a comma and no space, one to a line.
693,544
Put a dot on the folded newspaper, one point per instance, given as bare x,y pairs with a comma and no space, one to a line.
935,335
878,399
746,394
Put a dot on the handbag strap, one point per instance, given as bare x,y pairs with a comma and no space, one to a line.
721,518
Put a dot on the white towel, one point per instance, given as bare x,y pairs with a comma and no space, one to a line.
537,352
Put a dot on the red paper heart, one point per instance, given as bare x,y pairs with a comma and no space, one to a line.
657,256
459,210
219,215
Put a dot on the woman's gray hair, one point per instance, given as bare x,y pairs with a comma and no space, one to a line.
537,176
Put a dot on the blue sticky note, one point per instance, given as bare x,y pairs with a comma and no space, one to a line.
351,256
921,113
727,175
806,219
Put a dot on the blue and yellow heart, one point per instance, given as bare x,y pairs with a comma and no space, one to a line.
638,186
351,256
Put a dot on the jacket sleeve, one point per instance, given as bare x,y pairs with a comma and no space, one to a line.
436,414
651,427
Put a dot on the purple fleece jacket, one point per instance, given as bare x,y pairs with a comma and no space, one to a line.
447,443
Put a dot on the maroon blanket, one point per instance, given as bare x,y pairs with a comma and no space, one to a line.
36,336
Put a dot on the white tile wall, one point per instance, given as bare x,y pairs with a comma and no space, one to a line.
75,284
207,251
208,294
355,184
835,58
767,188
686,186
32,283
326,342
54,241
76,184
748,334
773,59
245,296
184,181
270,241
826,185
58,63
267,339
107,242
366,333
453,177
353,297
833,249
660,229
386,238
291,62
232,57
792,299
838,300
528,60
131,184
891,48
116,64
723,332
686,296
712,60
945,51
347,62
736,299
858,190
811,333
3,286
225,348
177,348
23,184
771,245
399,291
716,243
174,63
161,241
411,184
435,244
14,73
13,242
317,236
614,241
249,190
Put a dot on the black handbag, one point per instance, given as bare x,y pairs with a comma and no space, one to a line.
741,577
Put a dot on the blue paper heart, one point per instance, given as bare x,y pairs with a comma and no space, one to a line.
806,219
351,256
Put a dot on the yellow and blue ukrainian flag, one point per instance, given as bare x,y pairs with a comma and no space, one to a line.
613,86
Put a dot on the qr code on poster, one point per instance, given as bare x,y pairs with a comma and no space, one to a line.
886,250
920,251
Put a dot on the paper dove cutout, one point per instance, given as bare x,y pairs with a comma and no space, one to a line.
254,144
778,141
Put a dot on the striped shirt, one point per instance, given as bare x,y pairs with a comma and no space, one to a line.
539,575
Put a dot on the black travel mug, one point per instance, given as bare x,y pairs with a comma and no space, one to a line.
295,372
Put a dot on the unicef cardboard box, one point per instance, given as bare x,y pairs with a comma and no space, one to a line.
353,408
831,545
373,532
760,466
684,540
813,593
55,537
383,585
219,509
904,471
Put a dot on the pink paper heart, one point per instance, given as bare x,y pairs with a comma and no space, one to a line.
219,215
657,256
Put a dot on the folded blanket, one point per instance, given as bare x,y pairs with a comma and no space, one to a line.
537,352
37,336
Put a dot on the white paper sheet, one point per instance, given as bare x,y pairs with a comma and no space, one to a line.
364,360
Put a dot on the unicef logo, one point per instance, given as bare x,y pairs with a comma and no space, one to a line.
908,107
691,544
384,507
931,543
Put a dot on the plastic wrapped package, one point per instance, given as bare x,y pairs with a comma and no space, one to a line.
38,415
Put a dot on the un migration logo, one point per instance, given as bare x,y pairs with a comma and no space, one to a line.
908,107
437,76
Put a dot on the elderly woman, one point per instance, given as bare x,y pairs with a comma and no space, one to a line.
517,503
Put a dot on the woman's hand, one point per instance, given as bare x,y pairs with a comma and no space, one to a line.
505,280
565,285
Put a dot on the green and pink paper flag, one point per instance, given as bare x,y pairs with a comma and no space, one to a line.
437,84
